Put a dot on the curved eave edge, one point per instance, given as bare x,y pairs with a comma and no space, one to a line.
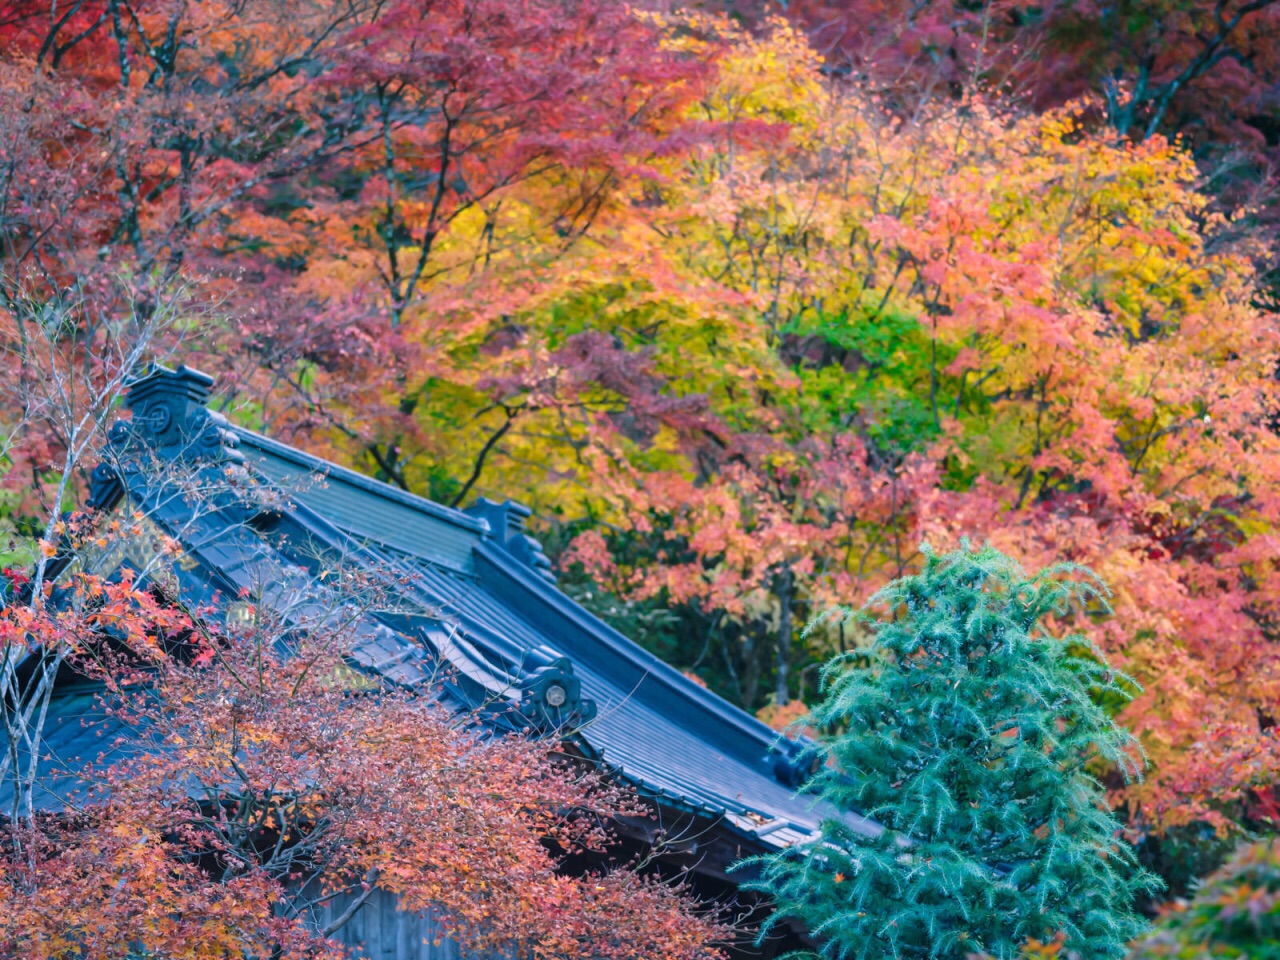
769,836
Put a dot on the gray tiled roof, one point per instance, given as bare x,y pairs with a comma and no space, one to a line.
485,603
78,736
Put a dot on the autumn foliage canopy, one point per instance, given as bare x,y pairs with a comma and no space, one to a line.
248,777
744,324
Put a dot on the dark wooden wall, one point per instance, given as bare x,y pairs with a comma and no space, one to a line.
381,931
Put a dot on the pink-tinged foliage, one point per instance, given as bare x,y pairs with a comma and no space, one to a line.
748,333
247,786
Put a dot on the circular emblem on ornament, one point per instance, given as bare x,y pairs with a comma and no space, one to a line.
158,417
556,695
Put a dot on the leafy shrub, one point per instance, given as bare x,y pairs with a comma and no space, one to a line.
1235,913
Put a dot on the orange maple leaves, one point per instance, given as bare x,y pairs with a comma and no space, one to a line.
246,780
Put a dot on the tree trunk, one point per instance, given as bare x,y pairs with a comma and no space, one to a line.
785,588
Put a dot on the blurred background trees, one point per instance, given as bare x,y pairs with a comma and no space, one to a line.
745,307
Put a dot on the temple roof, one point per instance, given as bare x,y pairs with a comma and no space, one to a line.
479,598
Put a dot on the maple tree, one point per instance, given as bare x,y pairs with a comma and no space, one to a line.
981,323
66,364
247,781
1206,72
1234,912
1206,69
739,327
313,162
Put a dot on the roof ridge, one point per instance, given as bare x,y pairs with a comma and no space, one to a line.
739,732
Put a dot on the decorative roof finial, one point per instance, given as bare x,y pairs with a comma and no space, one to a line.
506,525
170,417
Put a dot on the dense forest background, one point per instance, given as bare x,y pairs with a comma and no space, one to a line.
745,302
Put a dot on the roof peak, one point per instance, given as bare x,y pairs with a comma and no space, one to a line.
171,416
188,382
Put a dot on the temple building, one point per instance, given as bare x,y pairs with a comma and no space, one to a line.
477,598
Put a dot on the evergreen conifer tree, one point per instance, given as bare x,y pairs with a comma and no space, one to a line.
968,731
